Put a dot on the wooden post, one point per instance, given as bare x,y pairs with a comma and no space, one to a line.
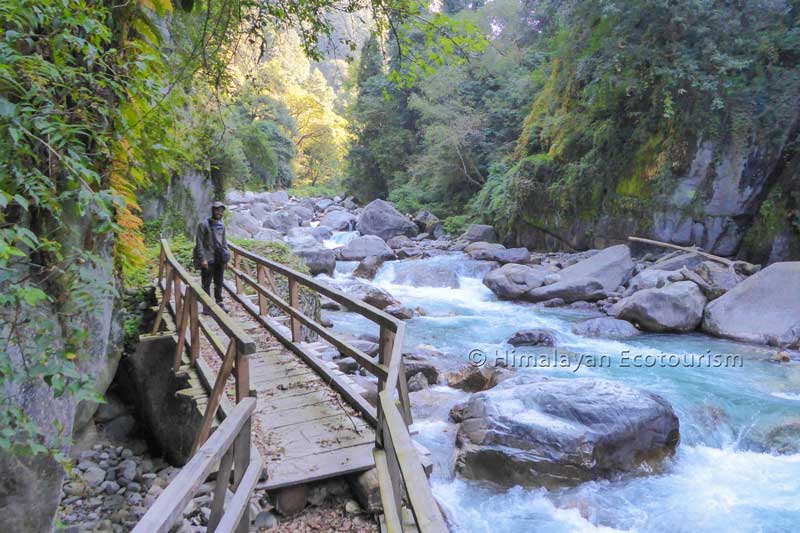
220,487
262,300
184,319
178,301
294,301
164,300
395,475
214,397
402,389
237,259
194,322
385,346
242,375
161,259
241,456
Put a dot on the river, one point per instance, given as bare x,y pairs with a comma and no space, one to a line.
722,477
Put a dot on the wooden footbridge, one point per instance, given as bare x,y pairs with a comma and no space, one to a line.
272,408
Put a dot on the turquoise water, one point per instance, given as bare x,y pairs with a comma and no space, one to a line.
723,478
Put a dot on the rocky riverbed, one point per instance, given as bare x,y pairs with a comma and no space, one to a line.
686,422
565,440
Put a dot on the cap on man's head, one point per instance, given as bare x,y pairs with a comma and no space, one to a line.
217,204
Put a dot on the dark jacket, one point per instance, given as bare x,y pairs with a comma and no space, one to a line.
206,246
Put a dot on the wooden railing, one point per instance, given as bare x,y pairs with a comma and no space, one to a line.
399,468
186,298
229,447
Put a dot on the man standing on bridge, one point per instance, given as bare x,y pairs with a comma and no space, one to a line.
211,252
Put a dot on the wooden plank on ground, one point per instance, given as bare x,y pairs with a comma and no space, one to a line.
320,466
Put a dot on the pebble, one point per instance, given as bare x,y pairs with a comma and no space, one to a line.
109,487
127,469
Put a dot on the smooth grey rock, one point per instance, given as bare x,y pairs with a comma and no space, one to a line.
319,233
127,469
676,307
382,219
266,234
611,267
94,476
400,311
243,224
649,278
533,337
316,257
478,232
366,246
370,294
323,204
538,431
368,267
512,281
282,221
511,255
399,241
764,308
417,382
303,213
605,328
339,221
569,290
677,262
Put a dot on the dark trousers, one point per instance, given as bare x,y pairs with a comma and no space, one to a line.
215,272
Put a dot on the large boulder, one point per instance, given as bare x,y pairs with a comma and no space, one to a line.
382,219
366,246
512,281
370,294
317,258
720,278
266,234
282,220
675,307
339,220
569,290
244,225
319,233
764,308
479,232
539,431
239,197
425,219
605,328
611,267
419,274
302,212
651,278
368,267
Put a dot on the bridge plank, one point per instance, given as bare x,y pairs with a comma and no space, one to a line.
318,466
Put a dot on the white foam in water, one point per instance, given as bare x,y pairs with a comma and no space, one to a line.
793,396
713,484
339,239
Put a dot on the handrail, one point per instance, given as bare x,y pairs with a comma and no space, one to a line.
371,312
228,446
399,467
183,297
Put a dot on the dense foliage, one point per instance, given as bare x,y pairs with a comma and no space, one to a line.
581,108
101,102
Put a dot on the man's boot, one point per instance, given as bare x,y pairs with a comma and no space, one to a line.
223,306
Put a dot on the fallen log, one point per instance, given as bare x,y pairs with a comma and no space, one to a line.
688,249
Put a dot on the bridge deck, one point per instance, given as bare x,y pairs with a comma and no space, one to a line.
304,430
